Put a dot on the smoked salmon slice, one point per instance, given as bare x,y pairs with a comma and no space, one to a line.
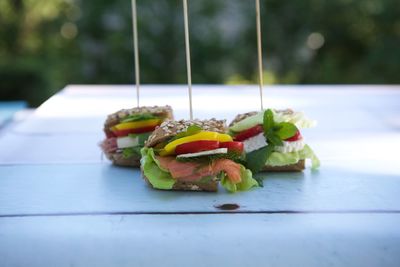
192,171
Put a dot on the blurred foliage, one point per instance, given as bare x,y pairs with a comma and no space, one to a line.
45,45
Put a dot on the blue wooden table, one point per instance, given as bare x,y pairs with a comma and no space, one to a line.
62,204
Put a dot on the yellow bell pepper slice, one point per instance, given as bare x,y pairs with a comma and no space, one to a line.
169,149
136,124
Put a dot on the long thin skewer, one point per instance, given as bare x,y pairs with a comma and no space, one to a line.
136,50
188,67
260,67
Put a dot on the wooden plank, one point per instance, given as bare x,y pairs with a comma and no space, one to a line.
202,240
101,188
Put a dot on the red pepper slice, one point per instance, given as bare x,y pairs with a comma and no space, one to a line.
236,147
196,146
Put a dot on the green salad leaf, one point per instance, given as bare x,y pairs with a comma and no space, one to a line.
246,184
158,177
129,152
282,159
139,117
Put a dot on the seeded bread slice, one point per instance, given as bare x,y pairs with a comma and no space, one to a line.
171,128
297,167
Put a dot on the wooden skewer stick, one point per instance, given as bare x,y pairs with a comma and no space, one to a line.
260,67
188,67
136,50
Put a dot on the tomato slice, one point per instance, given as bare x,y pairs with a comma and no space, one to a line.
196,146
253,131
121,133
295,137
236,147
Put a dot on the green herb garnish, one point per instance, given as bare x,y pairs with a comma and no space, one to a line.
129,152
139,117
274,133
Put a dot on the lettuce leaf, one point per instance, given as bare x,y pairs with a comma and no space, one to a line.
158,177
281,159
247,182
129,152
162,179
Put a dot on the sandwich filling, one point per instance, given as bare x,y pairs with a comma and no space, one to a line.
273,138
129,135
197,156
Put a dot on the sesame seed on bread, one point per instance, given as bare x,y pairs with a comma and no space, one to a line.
116,117
171,128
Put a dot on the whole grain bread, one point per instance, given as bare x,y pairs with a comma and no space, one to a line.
118,159
297,167
164,112
171,128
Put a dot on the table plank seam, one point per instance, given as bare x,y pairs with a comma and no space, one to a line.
198,213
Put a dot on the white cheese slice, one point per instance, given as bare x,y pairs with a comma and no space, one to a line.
254,143
204,153
292,146
126,141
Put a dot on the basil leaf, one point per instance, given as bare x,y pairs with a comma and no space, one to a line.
259,180
257,159
274,139
268,121
286,130
139,117
130,152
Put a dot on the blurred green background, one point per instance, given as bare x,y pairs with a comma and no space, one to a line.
45,45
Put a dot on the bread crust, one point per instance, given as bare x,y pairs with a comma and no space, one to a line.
297,167
119,160
170,128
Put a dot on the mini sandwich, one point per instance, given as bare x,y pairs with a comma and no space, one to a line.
272,140
195,156
127,130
